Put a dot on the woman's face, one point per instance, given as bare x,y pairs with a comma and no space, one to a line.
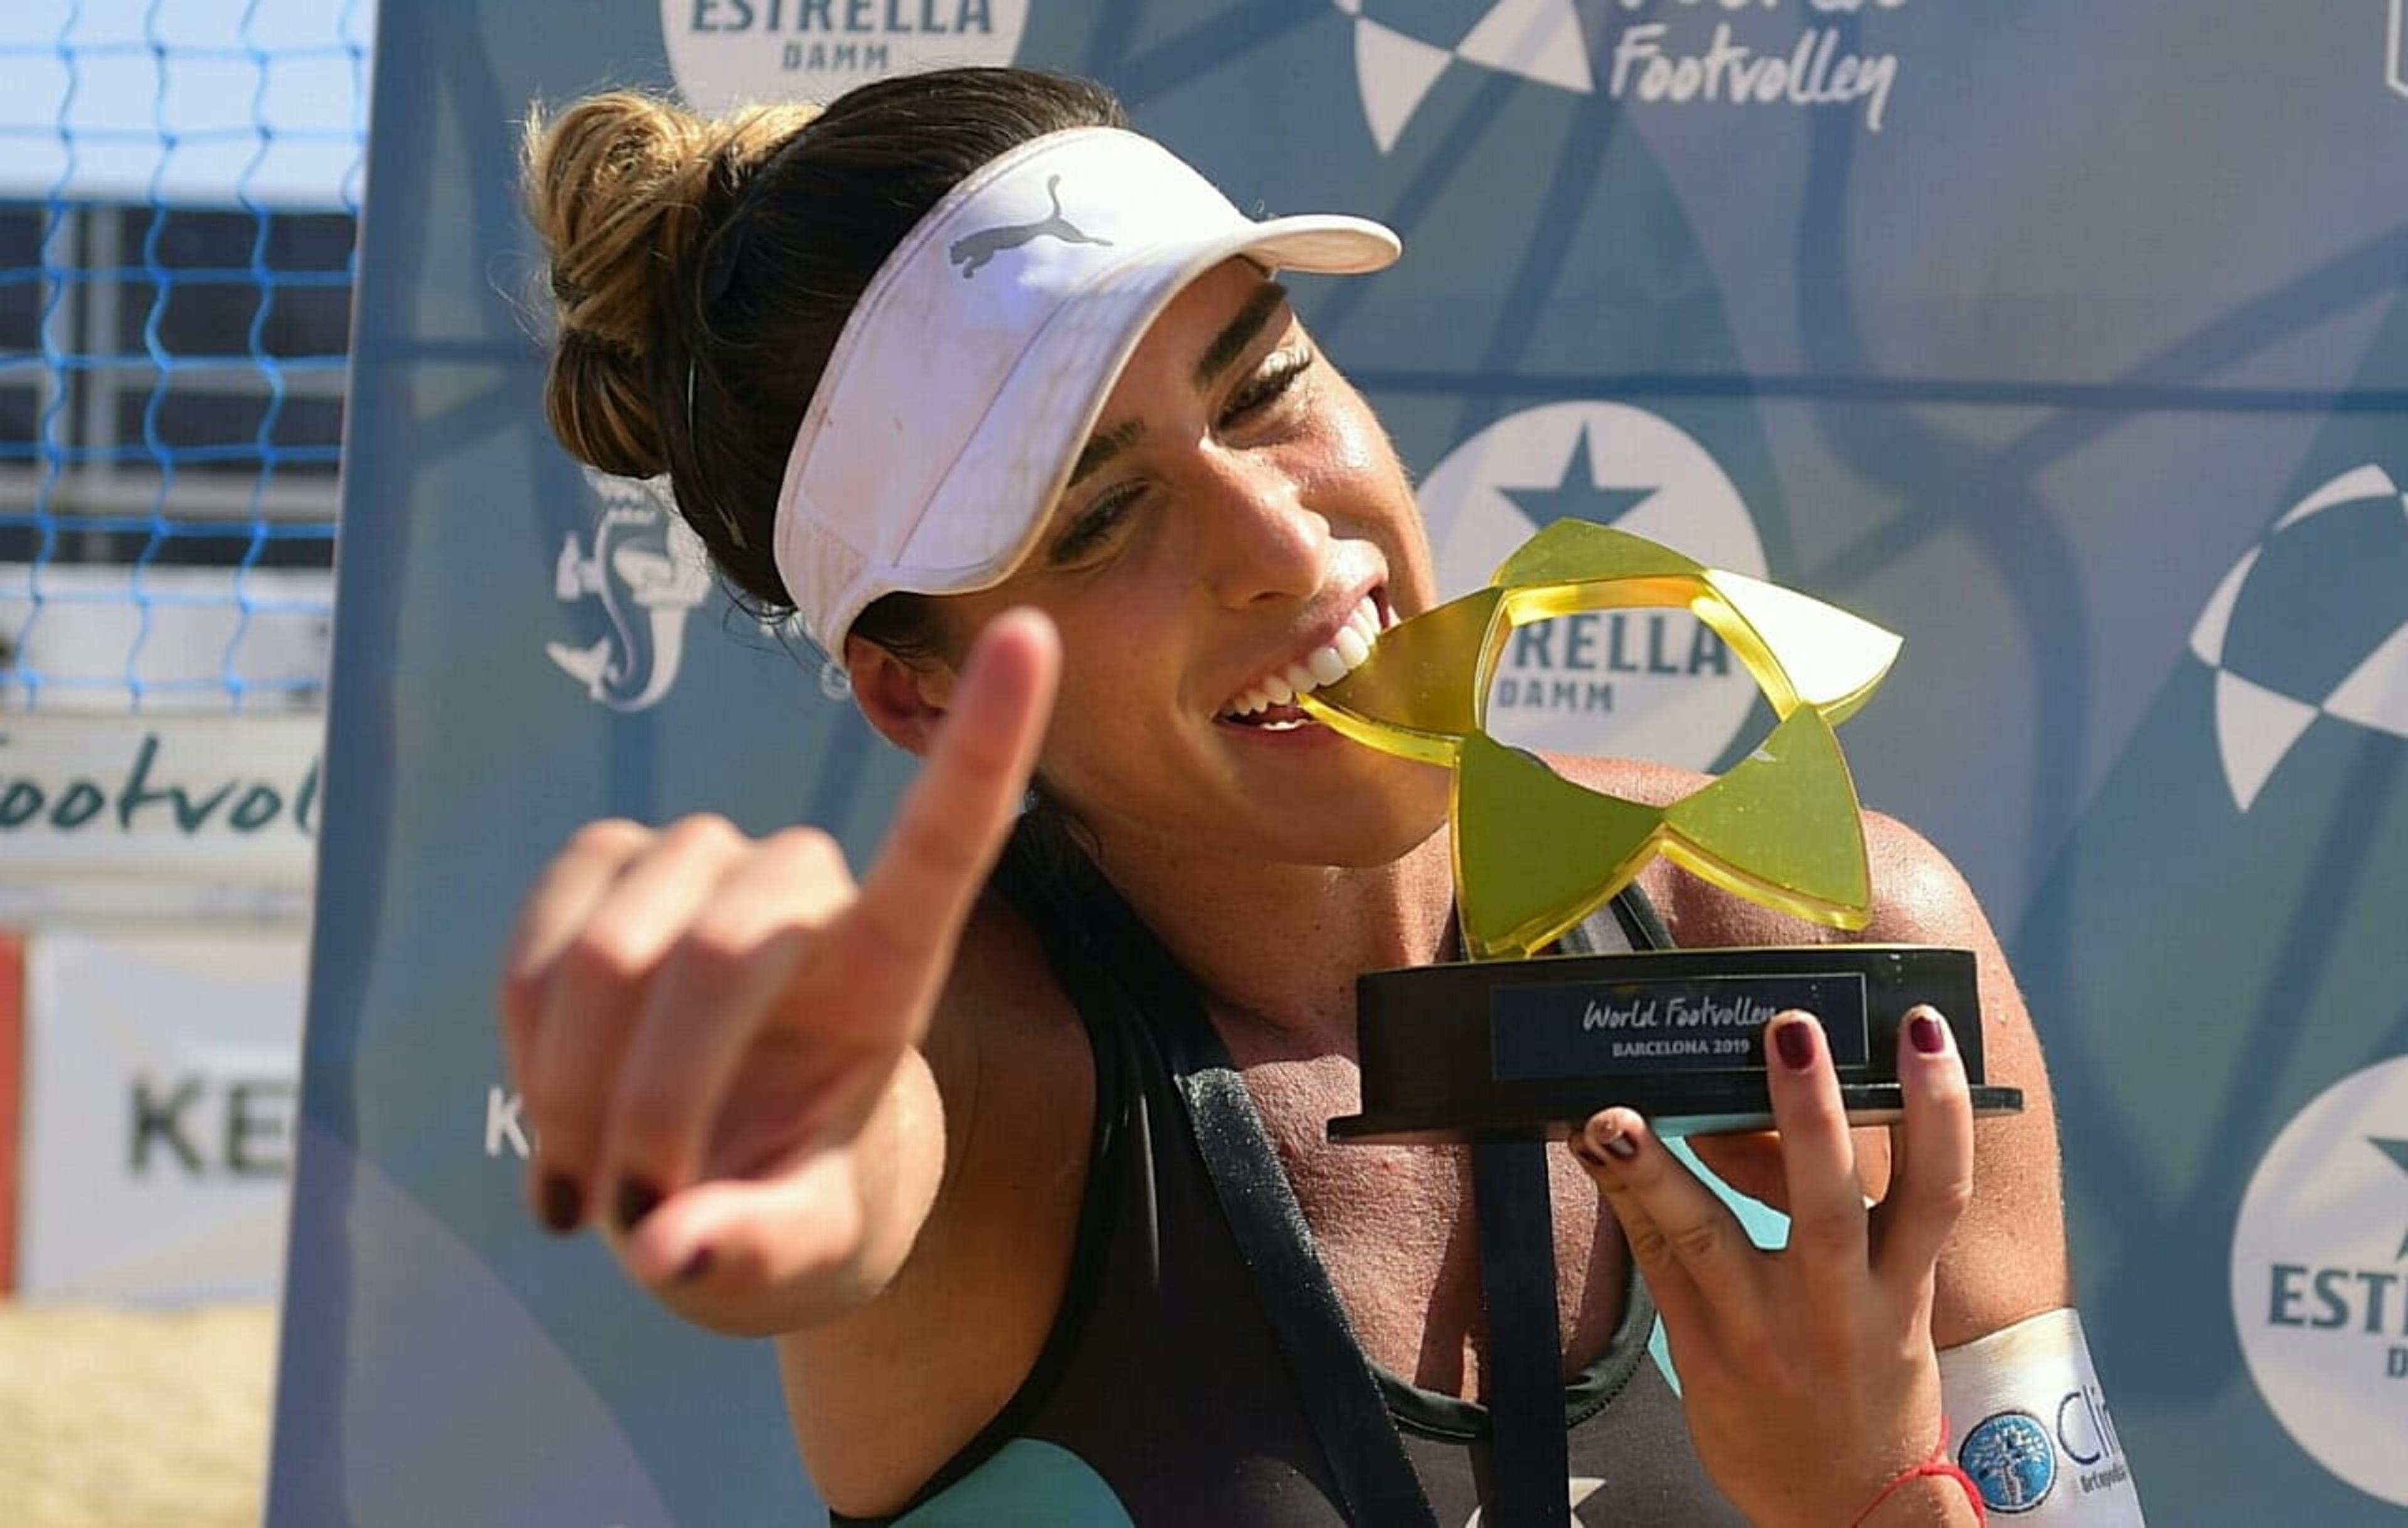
1236,508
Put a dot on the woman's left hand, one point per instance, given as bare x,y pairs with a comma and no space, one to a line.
1808,1375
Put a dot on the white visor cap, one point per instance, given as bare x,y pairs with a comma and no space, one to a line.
971,374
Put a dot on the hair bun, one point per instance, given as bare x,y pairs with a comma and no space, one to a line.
622,188
598,404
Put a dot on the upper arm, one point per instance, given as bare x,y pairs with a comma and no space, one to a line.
2010,1249
885,1395
2007,1256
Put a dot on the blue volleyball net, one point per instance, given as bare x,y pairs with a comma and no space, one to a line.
179,185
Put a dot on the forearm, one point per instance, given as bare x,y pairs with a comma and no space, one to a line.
2006,1257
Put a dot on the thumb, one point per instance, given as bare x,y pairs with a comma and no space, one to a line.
951,823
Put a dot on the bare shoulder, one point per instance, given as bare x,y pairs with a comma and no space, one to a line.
883,1397
1012,1064
1918,896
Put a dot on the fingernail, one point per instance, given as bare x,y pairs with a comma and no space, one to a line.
636,1200
1585,1150
1614,1143
696,1266
1926,1033
563,1206
1795,1040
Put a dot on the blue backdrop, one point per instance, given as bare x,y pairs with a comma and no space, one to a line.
2065,339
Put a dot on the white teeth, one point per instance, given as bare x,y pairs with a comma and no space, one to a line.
1346,652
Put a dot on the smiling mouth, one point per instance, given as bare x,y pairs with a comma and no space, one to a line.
1268,705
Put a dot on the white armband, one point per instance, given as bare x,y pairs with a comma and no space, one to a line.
2028,1423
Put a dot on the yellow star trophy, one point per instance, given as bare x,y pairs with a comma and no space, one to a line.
1510,1043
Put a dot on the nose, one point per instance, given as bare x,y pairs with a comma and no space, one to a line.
1255,539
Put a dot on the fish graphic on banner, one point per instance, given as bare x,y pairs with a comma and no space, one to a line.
648,572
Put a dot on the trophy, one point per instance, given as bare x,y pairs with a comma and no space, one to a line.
1512,1043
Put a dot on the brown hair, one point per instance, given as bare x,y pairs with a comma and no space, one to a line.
704,267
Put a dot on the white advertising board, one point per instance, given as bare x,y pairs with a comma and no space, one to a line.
159,1080
230,799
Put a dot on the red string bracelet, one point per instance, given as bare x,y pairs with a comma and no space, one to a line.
1938,1464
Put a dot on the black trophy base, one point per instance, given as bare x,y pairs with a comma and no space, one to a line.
1518,1050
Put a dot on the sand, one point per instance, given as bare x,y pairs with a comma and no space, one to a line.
114,1418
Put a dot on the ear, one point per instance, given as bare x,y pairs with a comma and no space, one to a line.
904,701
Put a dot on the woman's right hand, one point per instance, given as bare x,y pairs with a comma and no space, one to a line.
716,1038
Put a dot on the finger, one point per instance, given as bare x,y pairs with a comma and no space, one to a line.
729,972
1676,1295
1684,1310
727,1238
1826,1201
1932,1181
562,900
1680,1233
953,821
591,1002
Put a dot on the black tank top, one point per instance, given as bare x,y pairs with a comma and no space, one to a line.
1201,1369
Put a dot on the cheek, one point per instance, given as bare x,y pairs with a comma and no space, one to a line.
1353,460
1346,437
1356,444
1117,680
1114,643
1359,477
1107,757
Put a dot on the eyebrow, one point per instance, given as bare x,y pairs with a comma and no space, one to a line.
1238,333
1226,346
1101,449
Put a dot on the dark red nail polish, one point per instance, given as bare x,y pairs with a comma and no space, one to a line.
563,1206
1585,1150
1927,1034
1795,1043
636,1200
696,1266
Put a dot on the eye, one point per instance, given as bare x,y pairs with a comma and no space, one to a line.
1094,526
1274,380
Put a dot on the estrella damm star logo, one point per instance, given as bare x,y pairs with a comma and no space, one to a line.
1535,852
2315,1278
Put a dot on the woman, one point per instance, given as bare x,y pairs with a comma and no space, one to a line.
1028,1176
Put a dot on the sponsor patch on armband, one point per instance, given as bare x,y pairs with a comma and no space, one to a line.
2032,1428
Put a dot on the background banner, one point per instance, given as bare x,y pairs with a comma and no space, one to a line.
159,1112
2067,342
